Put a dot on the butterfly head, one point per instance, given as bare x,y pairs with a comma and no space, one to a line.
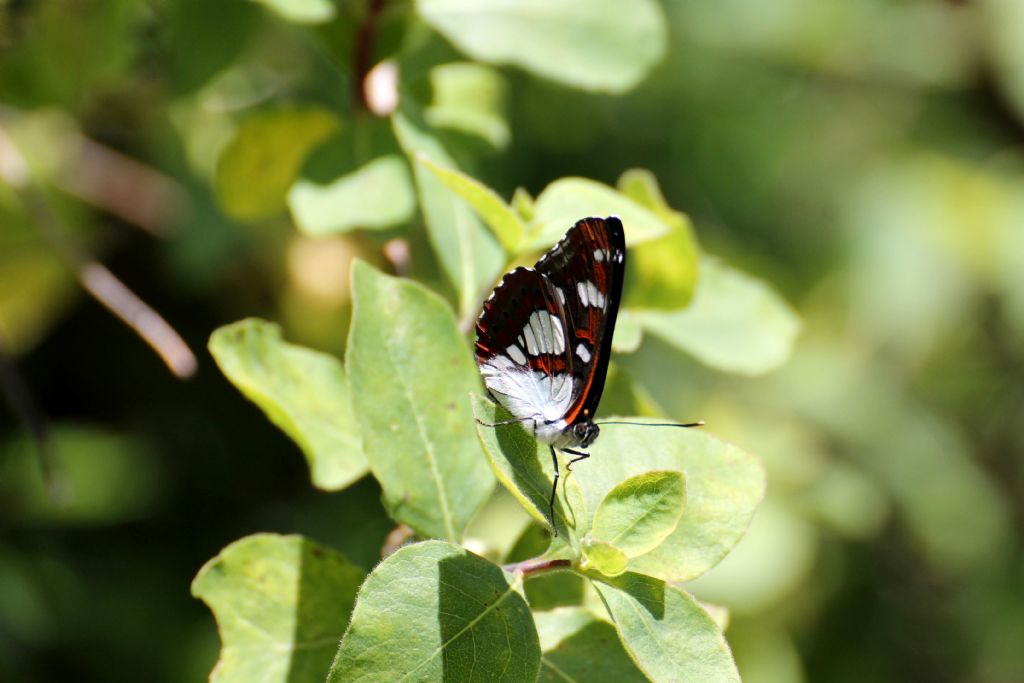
585,432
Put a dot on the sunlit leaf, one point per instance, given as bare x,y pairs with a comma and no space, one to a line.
498,216
411,377
434,611
470,255
260,163
304,392
668,634
567,200
281,603
604,558
639,513
593,45
628,332
301,11
469,98
578,646
735,323
376,196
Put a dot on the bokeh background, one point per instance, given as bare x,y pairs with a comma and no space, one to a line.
864,157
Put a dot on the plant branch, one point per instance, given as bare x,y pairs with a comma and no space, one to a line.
362,59
535,566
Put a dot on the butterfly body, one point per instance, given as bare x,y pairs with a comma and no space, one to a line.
544,336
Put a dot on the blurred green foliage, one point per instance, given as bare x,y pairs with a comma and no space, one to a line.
865,158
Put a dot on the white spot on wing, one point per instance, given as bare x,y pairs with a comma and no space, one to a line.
581,290
583,352
530,393
531,341
599,255
594,295
516,354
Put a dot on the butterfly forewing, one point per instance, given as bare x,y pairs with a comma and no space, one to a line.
586,268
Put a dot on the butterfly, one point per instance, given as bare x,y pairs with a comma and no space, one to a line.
544,338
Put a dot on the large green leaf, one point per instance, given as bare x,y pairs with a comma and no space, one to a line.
411,377
304,392
723,486
640,513
260,163
281,603
467,251
436,612
499,216
590,44
579,647
735,322
669,636
567,200
470,98
375,196
661,273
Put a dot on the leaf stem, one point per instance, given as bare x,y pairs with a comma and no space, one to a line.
536,565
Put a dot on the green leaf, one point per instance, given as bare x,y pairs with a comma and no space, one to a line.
411,376
434,611
603,558
301,11
661,273
523,204
470,256
469,98
498,216
666,632
524,467
579,646
723,485
567,200
376,196
281,603
260,163
304,392
546,591
628,332
735,323
590,44
640,513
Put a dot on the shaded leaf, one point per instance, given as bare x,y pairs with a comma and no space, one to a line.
666,632
259,164
735,323
304,392
378,195
546,591
494,212
579,646
281,603
567,200
470,256
638,514
411,375
434,611
590,44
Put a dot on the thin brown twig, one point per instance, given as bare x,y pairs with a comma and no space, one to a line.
536,566
363,57
94,277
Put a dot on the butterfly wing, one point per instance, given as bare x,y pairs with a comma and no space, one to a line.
586,268
522,347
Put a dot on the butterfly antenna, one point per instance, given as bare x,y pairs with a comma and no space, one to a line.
699,423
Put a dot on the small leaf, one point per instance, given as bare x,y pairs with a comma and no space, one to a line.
590,44
567,200
304,392
469,254
260,163
301,11
578,646
735,322
434,611
376,196
411,375
640,513
661,273
469,98
523,204
524,467
281,603
666,632
603,558
494,212
628,332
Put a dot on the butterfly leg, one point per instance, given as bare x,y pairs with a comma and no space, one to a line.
554,488
580,455
502,423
